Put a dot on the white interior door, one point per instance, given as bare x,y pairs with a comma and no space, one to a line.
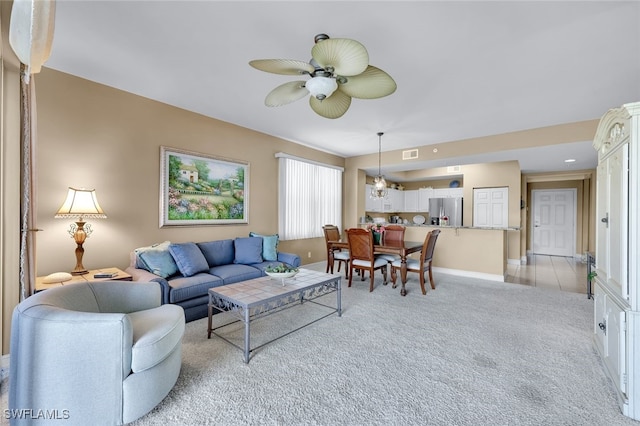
491,207
554,222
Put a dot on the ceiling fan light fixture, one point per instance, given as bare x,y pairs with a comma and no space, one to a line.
321,87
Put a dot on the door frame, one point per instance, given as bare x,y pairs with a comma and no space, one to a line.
574,191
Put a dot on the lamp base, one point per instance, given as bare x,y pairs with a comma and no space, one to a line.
79,272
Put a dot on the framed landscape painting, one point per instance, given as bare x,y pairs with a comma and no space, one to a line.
199,189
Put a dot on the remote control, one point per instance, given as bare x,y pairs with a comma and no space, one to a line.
105,275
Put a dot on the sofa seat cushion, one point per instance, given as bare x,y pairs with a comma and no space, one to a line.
185,288
235,273
156,333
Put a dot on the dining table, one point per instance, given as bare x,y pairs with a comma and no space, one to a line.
400,248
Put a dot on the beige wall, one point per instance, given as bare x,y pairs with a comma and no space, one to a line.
94,136
585,238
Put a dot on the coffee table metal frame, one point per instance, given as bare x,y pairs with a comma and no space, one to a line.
259,297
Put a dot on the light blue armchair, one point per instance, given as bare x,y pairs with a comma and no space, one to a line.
102,353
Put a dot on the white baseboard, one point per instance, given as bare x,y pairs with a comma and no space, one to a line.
469,274
514,262
523,260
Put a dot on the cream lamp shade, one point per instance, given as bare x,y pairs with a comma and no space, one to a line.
81,203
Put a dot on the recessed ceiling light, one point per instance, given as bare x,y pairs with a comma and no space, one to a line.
435,149
570,160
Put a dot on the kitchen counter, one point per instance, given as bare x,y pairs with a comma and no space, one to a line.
467,251
425,225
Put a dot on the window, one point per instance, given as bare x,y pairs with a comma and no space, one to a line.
310,196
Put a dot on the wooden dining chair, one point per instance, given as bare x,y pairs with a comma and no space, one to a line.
332,233
362,256
420,266
391,234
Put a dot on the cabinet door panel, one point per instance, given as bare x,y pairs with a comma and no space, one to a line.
615,353
618,198
599,318
602,226
424,195
411,201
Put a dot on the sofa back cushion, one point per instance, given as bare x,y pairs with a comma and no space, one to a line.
220,252
248,250
189,258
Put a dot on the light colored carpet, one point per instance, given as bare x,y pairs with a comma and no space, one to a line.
470,352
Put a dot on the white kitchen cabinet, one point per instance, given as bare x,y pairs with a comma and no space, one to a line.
411,201
616,284
424,195
447,192
394,202
371,204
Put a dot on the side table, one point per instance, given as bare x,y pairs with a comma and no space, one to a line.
121,276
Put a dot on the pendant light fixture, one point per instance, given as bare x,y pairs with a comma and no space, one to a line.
379,188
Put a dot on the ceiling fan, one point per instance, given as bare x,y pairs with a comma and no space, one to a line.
339,70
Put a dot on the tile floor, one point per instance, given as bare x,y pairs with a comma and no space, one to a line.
554,272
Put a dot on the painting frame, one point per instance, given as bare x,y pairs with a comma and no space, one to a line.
187,198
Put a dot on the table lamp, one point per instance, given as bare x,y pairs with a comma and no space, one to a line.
81,203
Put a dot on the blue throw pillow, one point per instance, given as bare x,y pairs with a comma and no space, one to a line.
269,246
189,258
159,262
156,259
219,252
248,250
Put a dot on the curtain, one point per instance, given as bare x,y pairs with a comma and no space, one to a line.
310,196
31,37
28,185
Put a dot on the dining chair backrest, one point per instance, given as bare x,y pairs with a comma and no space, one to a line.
393,233
360,244
429,246
331,233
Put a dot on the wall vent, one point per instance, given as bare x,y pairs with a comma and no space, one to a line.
453,169
410,154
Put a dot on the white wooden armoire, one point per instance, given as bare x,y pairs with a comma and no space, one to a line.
617,257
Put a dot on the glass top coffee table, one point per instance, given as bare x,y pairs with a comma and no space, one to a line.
252,299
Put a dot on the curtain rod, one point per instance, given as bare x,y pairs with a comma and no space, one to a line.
304,160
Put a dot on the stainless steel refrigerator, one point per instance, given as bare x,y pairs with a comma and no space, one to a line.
446,207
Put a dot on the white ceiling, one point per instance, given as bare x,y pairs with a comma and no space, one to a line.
463,69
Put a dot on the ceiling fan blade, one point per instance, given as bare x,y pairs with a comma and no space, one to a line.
286,93
283,66
347,57
332,107
371,84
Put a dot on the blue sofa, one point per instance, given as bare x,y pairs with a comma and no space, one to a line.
186,271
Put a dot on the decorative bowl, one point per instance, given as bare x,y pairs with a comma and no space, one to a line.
282,274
